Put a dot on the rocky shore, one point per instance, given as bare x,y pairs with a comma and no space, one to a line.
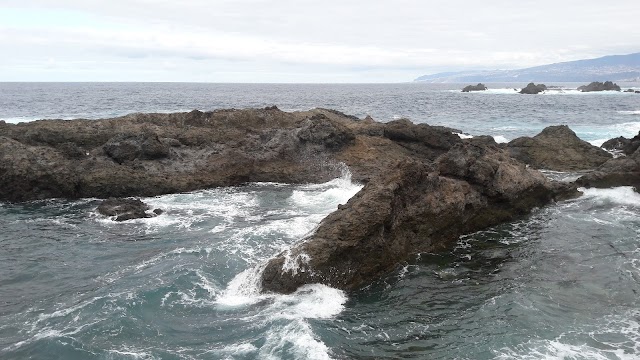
424,186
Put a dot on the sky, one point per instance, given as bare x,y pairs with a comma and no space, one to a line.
286,41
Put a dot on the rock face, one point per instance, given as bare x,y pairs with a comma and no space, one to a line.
532,88
598,86
414,208
126,209
479,87
621,171
557,148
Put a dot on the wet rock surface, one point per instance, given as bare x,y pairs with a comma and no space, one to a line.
124,209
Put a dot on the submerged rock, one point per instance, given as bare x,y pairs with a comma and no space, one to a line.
598,86
532,88
557,148
126,209
479,87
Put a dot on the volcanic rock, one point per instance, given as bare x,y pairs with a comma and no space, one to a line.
424,186
598,86
620,171
126,209
479,87
615,144
414,208
557,148
532,88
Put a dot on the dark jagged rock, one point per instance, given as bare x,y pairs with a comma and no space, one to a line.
621,171
557,148
615,144
126,209
624,145
598,86
414,208
629,91
532,88
479,87
153,154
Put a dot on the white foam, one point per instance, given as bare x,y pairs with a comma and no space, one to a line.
557,350
132,354
623,195
629,129
597,142
296,337
500,139
629,112
463,136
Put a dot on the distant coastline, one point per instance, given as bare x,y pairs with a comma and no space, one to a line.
617,68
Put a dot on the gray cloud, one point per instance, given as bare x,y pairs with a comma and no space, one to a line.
313,40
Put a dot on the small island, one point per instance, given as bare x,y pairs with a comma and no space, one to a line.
479,87
532,88
598,86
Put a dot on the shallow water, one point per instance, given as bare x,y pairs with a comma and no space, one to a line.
561,283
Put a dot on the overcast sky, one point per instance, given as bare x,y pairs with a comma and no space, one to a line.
301,41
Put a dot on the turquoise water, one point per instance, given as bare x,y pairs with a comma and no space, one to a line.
561,283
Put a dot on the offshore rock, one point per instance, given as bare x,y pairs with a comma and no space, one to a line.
598,86
532,88
126,209
479,87
557,148
414,207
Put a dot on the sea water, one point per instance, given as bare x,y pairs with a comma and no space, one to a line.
561,283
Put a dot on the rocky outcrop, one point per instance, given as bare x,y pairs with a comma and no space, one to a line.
416,207
479,87
152,154
598,86
126,209
424,186
532,88
615,144
557,148
621,171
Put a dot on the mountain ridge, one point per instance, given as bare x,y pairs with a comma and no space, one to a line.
620,68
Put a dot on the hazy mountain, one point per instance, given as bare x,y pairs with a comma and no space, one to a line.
615,68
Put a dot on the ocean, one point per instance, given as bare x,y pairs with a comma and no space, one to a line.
561,283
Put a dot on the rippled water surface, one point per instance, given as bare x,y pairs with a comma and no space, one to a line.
561,283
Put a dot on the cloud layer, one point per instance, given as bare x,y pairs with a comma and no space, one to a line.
300,41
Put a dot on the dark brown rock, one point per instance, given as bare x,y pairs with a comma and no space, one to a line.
126,209
479,87
412,208
599,86
621,171
557,148
532,88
